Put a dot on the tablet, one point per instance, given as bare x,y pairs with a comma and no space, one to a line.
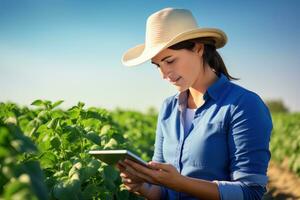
112,157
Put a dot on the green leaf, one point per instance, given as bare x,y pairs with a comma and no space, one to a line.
59,191
44,142
21,143
90,191
71,137
44,116
112,144
18,190
4,136
55,142
58,114
11,120
109,173
33,169
90,170
122,195
90,114
110,185
73,113
57,103
69,189
52,124
66,165
59,174
4,152
50,182
38,102
105,129
80,105
95,147
48,104
75,168
48,160
94,137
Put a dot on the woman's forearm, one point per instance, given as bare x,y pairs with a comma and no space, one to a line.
198,188
195,187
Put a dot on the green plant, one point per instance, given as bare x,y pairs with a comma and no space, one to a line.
60,141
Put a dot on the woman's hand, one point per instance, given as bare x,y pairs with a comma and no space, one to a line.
132,183
168,176
158,173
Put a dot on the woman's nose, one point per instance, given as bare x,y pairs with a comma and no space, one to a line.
166,74
165,71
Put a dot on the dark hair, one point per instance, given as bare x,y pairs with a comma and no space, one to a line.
210,54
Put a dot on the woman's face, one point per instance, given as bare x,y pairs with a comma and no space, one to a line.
182,68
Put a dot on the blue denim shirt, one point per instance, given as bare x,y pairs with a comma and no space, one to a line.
228,141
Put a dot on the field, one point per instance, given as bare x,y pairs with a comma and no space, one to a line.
43,149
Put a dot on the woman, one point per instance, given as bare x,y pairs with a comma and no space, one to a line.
212,138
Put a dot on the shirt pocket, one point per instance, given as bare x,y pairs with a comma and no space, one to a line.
207,146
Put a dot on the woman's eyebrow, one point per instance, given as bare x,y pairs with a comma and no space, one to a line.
161,59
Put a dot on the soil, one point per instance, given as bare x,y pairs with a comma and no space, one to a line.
283,184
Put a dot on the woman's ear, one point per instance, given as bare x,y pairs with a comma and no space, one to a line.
199,48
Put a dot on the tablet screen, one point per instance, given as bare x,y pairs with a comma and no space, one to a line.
112,157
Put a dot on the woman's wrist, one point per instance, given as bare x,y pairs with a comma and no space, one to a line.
144,189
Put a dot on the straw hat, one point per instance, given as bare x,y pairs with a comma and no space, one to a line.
167,27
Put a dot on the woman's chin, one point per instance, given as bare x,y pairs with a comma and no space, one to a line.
180,88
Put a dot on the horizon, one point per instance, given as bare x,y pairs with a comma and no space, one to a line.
72,50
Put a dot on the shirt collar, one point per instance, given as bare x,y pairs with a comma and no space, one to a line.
217,88
214,91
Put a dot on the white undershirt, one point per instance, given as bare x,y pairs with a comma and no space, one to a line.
189,116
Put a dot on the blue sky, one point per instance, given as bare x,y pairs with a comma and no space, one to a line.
71,50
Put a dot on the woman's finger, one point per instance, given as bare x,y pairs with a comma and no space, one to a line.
123,175
127,170
126,180
130,170
132,187
139,167
142,172
130,173
121,165
138,175
135,178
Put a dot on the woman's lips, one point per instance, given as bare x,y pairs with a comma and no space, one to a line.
175,81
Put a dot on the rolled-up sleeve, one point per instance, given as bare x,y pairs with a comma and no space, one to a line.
249,134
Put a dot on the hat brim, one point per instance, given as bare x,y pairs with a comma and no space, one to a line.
140,54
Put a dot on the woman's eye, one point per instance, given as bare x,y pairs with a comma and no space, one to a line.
171,61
